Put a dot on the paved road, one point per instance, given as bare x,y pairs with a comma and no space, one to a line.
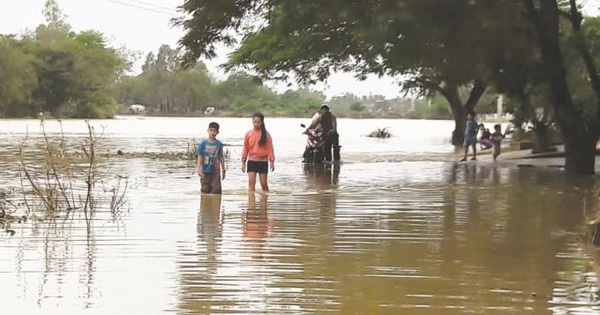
524,158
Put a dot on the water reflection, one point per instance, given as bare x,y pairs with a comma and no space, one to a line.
523,227
403,236
56,262
210,225
322,176
471,173
256,226
479,240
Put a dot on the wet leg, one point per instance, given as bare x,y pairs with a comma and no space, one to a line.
251,181
335,141
263,182
327,148
466,151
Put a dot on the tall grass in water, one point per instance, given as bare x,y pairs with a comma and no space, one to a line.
62,181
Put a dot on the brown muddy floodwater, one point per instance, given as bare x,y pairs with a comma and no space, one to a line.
398,228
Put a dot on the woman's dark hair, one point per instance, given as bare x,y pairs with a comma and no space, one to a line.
263,135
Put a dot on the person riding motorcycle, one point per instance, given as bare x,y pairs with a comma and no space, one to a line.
328,122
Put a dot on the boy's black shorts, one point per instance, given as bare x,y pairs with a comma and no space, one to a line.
260,167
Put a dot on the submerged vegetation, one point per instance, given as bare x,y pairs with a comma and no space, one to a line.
61,180
380,133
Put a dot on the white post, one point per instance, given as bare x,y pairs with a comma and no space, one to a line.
499,105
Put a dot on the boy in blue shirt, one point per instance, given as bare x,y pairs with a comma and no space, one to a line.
470,140
211,162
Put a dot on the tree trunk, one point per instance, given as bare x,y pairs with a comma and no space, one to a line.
580,138
542,139
580,154
460,110
460,120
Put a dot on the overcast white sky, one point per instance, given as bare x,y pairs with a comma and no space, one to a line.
143,25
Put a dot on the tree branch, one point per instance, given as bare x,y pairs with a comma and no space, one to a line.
479,87
530,10
581,46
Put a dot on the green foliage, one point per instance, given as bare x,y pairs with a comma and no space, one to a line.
58,71
17,78
578,77
569,61
310,39
165,87
439,47
438,108
303,102
436,46
357,107
434,107
242,93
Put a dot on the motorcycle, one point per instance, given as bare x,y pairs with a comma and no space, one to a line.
314,151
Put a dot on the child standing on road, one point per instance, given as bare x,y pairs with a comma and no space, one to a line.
211,163
496,138
470,137
258,153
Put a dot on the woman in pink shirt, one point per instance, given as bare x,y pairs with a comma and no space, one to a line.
258,153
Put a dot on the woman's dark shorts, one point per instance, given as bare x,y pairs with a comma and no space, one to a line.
261,167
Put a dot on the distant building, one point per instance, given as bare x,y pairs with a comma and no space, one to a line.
137,109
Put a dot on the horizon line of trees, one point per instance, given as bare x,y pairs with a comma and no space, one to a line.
165,87
62,73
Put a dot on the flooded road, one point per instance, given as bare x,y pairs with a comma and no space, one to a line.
398,228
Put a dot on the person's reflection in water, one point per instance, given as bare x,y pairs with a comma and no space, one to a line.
198,266
324,179
335,176
461,173
495,176
210,225
322,176
256,225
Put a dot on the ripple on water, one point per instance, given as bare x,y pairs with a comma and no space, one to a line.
401,231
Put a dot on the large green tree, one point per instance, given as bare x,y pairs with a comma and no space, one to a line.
164,85
75,72
437,47
560,29
17,78
243,93
53,69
